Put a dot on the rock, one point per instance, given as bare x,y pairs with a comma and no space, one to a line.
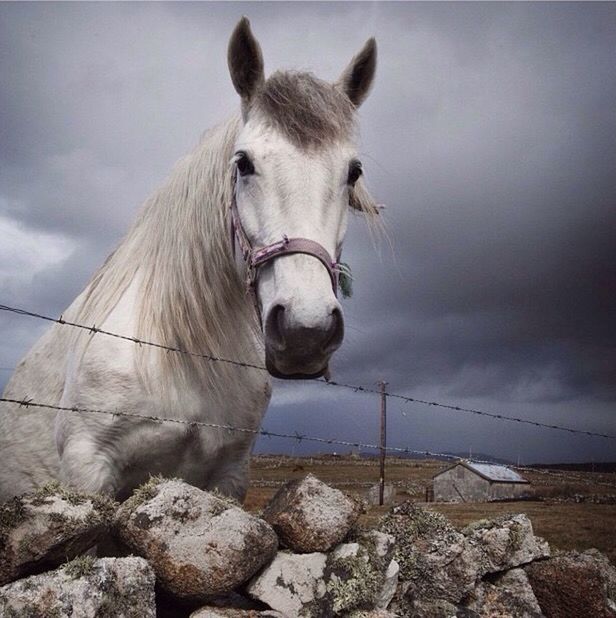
373,494
235,600
355,576
389,586
438,608
84,588
230,612
362,575
436,561
575,584
40,530
506,595
371,613
382,544
310,516
506,542
199,544
293,584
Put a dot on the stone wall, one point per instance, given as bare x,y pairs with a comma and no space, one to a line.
198,554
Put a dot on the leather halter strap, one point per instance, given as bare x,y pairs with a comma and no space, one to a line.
287,246
255,258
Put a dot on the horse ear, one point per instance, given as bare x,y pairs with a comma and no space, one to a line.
245,60
357,78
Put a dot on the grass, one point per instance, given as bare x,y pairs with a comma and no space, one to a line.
82,566
565,525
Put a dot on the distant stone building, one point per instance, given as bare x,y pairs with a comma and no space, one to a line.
467,481
372,496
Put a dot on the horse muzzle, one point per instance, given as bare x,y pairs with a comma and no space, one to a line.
297,349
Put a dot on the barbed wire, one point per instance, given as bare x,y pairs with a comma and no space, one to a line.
493,415
30,403
356,388
95,329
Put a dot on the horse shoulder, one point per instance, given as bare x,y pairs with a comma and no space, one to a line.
27,440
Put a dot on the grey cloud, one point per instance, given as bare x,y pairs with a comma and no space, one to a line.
490,136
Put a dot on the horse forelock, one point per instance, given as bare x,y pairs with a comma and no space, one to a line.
309,111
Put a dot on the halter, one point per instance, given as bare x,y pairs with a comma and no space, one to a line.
255,258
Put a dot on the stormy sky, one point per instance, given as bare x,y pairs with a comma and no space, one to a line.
490,135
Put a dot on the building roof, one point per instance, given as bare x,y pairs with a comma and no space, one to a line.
495,472
492,472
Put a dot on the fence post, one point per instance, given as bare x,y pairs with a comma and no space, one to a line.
382,385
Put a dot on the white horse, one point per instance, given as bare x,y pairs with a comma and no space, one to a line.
285,168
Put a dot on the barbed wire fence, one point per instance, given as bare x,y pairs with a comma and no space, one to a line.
27,402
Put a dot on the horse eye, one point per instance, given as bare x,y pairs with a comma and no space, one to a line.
244,164
355,171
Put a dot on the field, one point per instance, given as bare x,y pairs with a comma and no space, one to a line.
563,522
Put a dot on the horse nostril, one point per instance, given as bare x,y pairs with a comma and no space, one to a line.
336,331
274,326
337,318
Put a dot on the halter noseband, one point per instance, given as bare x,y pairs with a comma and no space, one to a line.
255,258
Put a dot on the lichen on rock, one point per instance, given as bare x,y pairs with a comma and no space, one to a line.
506,542
41,529
198,544
353,582
231,612
293,584
436,562
575,584
505,594
84,588
408,523
310,516
362,575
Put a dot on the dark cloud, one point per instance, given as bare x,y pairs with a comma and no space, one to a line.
490,136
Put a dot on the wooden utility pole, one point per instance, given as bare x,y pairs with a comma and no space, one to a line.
382,385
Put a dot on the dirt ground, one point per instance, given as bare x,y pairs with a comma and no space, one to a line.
556,516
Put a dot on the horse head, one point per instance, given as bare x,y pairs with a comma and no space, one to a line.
296,171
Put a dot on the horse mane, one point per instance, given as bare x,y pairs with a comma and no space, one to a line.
189,291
